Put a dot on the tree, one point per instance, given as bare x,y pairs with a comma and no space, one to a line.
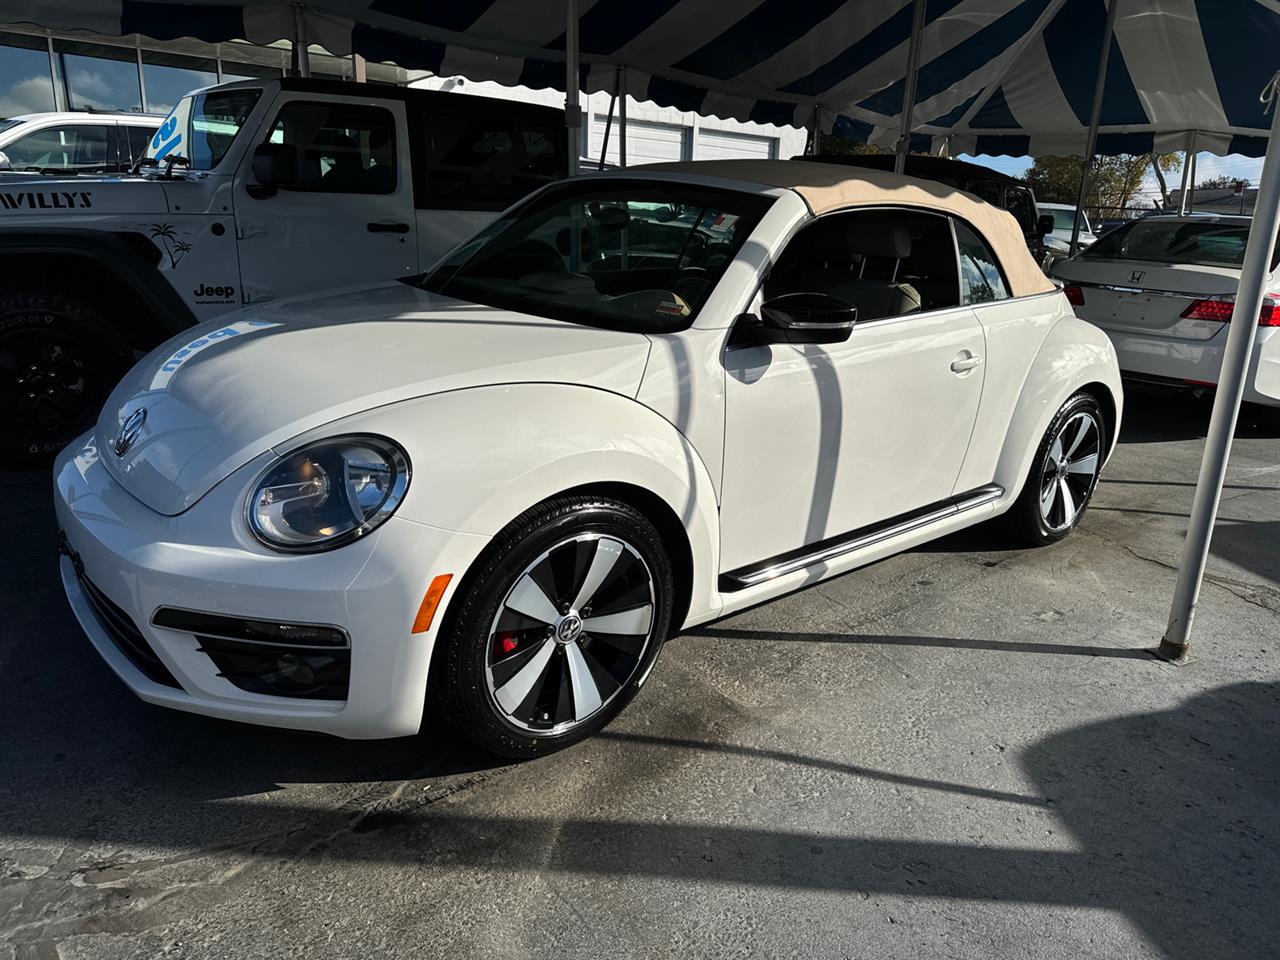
1113,181
1223,182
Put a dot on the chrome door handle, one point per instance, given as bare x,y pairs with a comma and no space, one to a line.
965,364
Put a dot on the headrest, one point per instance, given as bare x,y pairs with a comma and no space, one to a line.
873,236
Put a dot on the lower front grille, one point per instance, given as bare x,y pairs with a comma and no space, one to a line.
124,633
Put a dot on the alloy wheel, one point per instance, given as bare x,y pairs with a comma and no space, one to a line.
1070,470
570,634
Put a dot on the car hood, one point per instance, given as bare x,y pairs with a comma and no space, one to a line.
26,194
226,391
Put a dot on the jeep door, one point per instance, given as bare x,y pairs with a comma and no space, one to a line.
347,217
821,441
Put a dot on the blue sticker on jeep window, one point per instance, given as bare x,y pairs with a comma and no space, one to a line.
166,137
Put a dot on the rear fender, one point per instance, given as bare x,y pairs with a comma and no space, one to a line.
1073,355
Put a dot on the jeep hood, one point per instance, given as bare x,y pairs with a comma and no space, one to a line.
226,391
67,199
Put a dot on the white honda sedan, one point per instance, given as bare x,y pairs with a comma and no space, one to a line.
634,403
1164,289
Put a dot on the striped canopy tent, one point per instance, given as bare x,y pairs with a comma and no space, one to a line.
1010,77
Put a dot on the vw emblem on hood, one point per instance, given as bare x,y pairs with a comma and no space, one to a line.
1136,276
129,431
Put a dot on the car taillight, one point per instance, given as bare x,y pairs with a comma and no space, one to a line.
1219,309
1075,296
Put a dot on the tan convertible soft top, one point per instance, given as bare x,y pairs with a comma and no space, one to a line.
828,186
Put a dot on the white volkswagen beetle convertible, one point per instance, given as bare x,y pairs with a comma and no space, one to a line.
635,403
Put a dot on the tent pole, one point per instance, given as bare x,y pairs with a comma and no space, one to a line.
572,110
909,91
815,128
1226,404
1188,157
622,116
1095,116
301,55
1191,190
608,124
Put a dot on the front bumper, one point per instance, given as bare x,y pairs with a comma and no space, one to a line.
1198,362
202,560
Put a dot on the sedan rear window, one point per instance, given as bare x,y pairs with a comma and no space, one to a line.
1207,242
622,254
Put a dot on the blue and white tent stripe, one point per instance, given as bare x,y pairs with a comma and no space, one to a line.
996,76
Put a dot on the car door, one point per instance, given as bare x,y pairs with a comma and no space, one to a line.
821,441
347,218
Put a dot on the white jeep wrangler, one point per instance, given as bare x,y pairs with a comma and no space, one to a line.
249,191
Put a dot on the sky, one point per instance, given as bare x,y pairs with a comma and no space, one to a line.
1208,166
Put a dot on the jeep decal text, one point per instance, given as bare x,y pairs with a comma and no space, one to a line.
51,200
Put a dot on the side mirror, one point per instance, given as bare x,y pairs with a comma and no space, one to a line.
275,165
800,318
1044,225
4,161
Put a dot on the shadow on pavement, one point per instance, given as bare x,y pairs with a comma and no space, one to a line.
949,643
1172,820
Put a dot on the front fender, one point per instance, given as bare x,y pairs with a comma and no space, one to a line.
1073,355
482,456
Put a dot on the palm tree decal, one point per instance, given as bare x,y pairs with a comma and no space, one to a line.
167,237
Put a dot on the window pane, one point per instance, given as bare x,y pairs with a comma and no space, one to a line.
73,147
980,278
168,78
1206,242
25,83
104,78
341,148
1020,206
136,140
203,126
886,263
246,71
621,254
483,162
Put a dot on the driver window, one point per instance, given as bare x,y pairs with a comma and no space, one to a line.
342,148
886,263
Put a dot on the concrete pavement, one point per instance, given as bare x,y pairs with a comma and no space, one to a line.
963,751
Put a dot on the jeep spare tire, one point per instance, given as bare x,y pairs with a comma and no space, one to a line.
59,358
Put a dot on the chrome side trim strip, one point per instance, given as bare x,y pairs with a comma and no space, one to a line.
1115,288
758,573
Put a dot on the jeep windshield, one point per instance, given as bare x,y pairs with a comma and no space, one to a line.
623,254
202,127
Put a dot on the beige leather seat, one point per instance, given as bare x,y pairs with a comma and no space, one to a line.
880,243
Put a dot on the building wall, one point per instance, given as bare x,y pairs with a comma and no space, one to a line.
654,133
133,74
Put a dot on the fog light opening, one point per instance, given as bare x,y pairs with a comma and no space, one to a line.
293,670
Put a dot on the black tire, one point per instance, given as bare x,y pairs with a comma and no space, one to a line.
1026,521
59,358
483,631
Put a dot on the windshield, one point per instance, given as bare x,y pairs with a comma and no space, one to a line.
1062,220
624,254
202,127
1206,242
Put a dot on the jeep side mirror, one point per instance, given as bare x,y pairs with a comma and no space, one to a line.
1044,225
799,318
275,165
4,161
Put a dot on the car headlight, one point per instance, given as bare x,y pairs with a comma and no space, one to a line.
328,493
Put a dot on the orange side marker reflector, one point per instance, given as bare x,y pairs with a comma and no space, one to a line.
427,612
